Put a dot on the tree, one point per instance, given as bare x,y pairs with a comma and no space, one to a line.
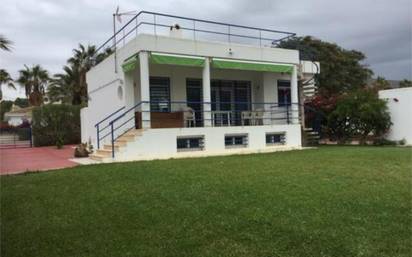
81,63
341,70
359,114
63,86
405,83
5,79
5,43
71,86
5,106
34,80
21,102
380,83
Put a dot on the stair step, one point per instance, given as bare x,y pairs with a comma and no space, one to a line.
134,132
96,157
116,147
104,152
128,137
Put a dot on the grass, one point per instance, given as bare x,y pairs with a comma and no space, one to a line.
332,201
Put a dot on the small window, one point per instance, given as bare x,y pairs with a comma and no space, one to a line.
193,143
277,138
234,141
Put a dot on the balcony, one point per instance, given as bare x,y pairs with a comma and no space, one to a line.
160,24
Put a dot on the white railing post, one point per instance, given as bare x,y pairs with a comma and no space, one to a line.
207,115
144,88
294,96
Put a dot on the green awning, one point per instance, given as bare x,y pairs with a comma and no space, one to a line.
181,60
254,66
130,63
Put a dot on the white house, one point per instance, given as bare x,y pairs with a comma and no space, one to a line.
17,115
399,102
195,89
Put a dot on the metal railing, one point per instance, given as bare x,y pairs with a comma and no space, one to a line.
103,129
180,114
192,28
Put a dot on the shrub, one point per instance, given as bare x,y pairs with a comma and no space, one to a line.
56,125
359,114
383,141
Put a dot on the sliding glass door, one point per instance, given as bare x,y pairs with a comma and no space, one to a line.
194,98
228,96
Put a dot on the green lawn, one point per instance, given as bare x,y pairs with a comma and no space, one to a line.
332,201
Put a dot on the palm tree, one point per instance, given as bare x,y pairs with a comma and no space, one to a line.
63,86
6,80
34,80
83,59
71,86
5,43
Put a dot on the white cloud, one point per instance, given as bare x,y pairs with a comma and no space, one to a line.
45,31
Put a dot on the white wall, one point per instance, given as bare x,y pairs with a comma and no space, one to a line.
211,49
15,120
400,107
161,143
103,82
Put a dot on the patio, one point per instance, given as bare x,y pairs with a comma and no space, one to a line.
20,160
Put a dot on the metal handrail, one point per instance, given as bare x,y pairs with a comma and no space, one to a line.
230,27
114,128
98,130
106,118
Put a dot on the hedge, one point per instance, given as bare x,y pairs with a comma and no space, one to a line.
56,124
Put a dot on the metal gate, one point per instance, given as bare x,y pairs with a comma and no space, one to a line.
16,137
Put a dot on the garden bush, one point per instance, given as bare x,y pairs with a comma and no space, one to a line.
359,114
56,124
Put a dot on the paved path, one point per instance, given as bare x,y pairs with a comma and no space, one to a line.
19,160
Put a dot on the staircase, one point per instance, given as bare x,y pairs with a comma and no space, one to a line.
105,153
310,137
309,90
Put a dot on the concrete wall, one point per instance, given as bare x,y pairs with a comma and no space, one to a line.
161,143
400,107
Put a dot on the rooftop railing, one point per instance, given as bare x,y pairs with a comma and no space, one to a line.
161,24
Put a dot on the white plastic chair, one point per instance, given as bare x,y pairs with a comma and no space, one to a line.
189,117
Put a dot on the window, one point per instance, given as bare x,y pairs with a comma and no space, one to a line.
284,97
191,143
159,94
277,138
233,141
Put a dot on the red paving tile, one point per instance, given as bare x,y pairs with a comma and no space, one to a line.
19,160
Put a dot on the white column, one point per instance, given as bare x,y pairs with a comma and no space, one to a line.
144,88
294,96
206,94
